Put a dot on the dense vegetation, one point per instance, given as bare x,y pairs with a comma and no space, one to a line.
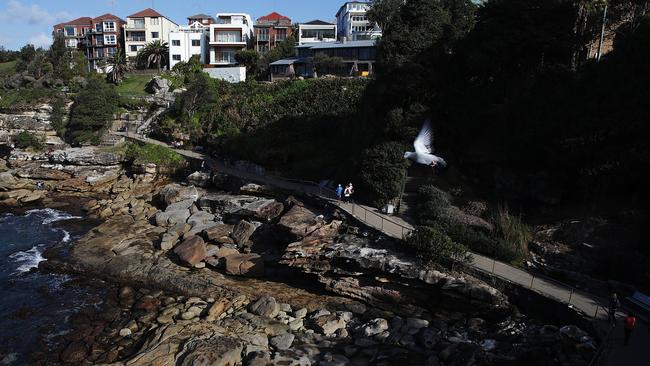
92,113
143,154
28,140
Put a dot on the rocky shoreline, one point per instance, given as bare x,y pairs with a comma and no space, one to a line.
255,278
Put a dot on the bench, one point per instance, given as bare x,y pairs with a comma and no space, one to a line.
641,300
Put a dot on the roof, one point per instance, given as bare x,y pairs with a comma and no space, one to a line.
200,16
148,12
78,21
288,61
350,2
107,16
348,44
273,16
318,22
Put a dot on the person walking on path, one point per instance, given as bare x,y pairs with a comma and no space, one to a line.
339,192
349,191
613,306
629,323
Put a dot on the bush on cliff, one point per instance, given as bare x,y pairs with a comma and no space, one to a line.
28,140
143,154
432,246
383,169
91,113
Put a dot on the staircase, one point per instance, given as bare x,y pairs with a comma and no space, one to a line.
409,199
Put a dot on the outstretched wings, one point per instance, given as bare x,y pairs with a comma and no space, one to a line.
423,144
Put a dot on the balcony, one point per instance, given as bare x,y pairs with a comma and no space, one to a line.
138,26
136,39
263,38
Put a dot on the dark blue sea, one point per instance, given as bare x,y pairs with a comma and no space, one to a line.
34,305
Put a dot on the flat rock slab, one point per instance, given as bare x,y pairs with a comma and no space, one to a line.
242,232
248,265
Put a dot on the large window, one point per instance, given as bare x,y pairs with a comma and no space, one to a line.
155,34
176,42
155,21
100,52
138,23
281,34
70,31
110,39
228,36
196,42
263,34
98,27
110,51
109,26
176,57
136,37
225,56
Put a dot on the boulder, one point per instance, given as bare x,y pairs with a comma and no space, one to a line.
374,327
216,351
219,233
300,221
242,232
253,189
168,241
199,179
85,156
218,308
172,218
282,341
248,265
191,251
264,209
158,85
265,306
173,193
329,324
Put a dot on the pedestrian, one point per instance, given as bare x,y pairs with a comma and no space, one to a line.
339,192
346,194
628,326
351,188
613,306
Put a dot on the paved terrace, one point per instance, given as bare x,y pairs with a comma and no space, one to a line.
614,353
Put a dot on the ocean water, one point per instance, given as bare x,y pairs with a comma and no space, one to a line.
34,306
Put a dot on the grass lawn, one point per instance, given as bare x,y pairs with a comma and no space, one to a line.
133,85
7,68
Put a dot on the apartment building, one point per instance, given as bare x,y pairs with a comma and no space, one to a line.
316,31
230,33
144,27
353,24
188,41
203,19
98,38
270,30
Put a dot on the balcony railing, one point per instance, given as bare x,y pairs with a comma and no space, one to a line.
263,37
136,39
135,26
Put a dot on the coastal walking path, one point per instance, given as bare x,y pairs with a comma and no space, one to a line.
592,306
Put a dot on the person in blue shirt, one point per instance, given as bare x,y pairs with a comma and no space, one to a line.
339,192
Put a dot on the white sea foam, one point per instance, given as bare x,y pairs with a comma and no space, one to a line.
52,215
66,236
28,259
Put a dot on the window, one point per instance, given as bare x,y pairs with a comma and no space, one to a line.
228,36
100,52
176,42
136,37
281,34
155,21
69,31
154,34
110,39
263,34
98,27
227,56
109,26
196,43
133,48
138,23
176,57
111,51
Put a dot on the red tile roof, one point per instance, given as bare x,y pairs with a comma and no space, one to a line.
148,12
107,16
273,16
78,21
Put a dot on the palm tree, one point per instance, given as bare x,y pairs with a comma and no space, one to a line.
154,53
119,66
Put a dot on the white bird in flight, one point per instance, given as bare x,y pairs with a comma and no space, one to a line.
423,145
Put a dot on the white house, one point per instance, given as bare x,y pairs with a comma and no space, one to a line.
230,33
353,24
144,27
316,31
188,41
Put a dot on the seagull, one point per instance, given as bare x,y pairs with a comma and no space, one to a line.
423,145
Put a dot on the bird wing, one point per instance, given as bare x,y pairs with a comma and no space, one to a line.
423,144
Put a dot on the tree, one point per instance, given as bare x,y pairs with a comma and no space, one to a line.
383,169
91,113
25,57
119,66
155,52
248,58
435,247
188,71
284,49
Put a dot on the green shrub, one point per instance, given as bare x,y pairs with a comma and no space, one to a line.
154,154
92,113
382,174
432,205
57,117
24,97
512,230
433,246
25,140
